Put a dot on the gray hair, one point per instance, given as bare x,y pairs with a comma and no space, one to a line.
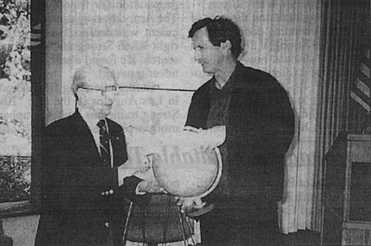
84,73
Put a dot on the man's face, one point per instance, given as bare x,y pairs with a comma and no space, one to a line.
209,56
98,94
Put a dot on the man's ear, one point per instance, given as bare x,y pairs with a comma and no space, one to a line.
79,94
226,45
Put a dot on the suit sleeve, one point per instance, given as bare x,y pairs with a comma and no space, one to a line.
126,191
259,138
70,182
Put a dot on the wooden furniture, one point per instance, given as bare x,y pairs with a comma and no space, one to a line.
347,192
4,239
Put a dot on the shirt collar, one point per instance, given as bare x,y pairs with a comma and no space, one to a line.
228,85
89,118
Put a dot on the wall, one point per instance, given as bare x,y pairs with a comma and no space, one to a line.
146,44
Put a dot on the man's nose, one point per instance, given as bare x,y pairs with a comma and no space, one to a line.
109,96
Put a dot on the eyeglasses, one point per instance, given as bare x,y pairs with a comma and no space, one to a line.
112,89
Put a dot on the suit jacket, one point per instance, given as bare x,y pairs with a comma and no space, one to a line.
259,130
74,211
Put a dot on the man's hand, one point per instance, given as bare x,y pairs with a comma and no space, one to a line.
146,172
192,129
189,204
149,183
208,139
149,187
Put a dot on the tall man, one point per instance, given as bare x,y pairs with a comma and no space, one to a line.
259,123
83,159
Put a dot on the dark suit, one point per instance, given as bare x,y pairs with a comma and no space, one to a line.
259,130
74,211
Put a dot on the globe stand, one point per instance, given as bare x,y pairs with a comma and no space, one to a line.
198,208
176,227
196,212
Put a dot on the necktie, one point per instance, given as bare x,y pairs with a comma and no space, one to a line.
104,143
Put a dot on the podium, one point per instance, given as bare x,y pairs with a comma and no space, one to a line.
347,192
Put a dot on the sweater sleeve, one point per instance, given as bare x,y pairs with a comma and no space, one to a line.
260,133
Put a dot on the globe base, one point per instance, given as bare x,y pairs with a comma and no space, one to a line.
198,211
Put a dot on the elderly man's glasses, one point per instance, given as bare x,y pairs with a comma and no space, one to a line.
107,90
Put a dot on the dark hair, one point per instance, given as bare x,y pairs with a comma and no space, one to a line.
220,29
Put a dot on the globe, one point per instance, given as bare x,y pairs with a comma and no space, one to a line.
187,171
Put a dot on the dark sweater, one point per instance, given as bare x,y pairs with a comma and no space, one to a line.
259,130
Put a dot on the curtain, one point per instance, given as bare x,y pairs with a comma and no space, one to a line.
343,24
146,43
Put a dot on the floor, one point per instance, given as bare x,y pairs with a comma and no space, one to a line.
302,238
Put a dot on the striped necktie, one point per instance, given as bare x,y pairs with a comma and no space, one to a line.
104,143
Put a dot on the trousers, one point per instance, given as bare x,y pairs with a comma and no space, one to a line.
238,227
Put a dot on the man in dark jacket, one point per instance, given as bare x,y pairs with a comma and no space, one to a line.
83,169
259,122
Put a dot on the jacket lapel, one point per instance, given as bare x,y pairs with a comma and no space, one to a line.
86,145
118,143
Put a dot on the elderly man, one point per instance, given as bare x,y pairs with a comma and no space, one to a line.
259,123
83,169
